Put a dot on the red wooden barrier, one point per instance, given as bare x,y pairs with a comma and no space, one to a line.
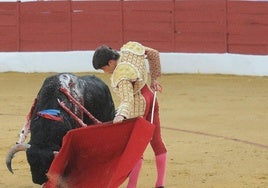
9,32
45,26
95,23
247,27
200,26
235,26
149,22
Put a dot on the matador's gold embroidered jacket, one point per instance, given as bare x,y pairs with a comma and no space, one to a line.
130,75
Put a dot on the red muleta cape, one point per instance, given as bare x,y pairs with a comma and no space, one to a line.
101,155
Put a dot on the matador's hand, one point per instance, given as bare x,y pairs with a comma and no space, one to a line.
155,86
118,119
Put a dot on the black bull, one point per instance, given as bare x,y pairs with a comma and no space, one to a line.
47,134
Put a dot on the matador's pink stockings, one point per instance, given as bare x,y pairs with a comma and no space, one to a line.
160,161
161,169
134,174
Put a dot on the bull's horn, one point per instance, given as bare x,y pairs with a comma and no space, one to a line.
12,151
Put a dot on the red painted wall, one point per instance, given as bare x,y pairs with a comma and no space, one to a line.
149,22
45,26
95,23
9,31
247,27
233,26
200,26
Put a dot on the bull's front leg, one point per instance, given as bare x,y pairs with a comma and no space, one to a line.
26,127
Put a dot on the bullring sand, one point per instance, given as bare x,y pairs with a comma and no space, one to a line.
214,126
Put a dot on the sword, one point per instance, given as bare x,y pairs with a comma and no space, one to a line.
152,115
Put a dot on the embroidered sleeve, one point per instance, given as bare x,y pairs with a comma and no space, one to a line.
154,62
126,95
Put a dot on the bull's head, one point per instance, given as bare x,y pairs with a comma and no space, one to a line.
47,130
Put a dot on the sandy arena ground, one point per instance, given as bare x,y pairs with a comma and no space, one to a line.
214,126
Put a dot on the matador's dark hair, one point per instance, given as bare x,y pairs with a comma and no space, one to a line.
103,55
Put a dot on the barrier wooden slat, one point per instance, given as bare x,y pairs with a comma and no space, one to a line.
204,11
247,27
194,47
9,33
49,28
149,22
45,26
247,7
248,49
200,26
204,15
8,13
235,18
248,30
96,23
203,38
199,4
248,38
8,39
148,36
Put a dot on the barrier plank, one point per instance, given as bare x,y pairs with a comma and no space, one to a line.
239,18
9,32
195,47
45,26
247,27
247,7
247,39
248,49
95,23
149,22
198,37
200,25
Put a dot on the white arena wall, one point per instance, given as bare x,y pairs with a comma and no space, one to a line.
80,61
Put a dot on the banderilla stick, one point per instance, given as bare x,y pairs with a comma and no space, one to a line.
71,114
73,100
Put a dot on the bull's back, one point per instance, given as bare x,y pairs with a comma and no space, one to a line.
98,99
